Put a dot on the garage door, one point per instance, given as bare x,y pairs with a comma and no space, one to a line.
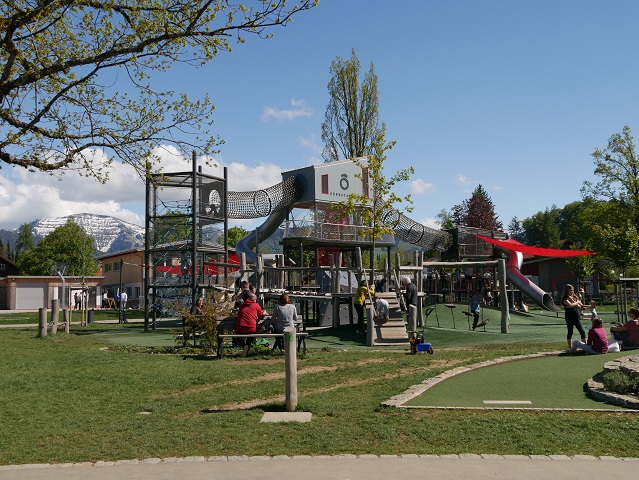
30,297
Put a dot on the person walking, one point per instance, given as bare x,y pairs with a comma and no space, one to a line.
475,307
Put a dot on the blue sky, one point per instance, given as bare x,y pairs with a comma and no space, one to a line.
513,95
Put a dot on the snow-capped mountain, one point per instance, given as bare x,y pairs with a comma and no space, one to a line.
110,234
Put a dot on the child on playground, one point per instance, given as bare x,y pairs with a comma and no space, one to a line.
360,299
475,306
381,310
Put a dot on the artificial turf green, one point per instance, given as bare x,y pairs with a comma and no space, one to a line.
549,382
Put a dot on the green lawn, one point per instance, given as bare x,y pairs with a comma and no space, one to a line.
69,398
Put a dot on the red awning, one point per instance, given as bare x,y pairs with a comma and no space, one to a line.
516,246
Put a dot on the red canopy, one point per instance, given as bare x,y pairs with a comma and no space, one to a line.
516,246
209,269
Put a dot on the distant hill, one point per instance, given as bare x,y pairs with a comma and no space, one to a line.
109,233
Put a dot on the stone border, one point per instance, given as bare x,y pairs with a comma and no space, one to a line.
627,365
246,458
398,401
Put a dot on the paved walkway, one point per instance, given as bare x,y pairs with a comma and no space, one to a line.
345,467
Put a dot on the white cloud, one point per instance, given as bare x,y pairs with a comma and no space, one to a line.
419,186
431,223
464,180
312,143
27,196
300,109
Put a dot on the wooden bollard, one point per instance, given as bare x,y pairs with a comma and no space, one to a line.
67,320
370,316
55,314
290,357
412,319
42,321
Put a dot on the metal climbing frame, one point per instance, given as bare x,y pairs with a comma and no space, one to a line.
186,243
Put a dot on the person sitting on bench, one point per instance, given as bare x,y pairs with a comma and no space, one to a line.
248,313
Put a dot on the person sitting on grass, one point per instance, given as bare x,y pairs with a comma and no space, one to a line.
597,340
628,333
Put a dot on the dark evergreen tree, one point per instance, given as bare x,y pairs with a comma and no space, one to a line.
478,211
516,230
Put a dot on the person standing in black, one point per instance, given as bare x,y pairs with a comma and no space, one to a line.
572,313
410,293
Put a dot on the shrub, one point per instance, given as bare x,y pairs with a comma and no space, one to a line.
619,382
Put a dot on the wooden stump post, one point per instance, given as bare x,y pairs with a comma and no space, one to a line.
42,321
290,350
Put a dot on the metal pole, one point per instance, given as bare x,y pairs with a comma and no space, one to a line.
120,310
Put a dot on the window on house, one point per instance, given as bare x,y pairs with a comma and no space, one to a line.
107,267
116,266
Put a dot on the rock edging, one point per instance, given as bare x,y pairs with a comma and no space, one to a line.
627,365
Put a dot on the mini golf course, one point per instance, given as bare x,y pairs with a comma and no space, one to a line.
551,381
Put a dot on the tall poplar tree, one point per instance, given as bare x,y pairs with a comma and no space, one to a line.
351,124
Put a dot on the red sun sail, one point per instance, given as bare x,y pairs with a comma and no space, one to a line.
537,251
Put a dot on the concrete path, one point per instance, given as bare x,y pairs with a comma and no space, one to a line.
343,467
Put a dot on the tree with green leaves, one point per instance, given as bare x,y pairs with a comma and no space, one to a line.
351,124
25,240
582,266
371,208
542,228
616,217
76,76
235,234
68,244
516,230
617,166
478,211
445,219
351,130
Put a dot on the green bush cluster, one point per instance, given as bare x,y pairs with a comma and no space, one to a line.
618,382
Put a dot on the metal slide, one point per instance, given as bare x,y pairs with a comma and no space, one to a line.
514,275
260,234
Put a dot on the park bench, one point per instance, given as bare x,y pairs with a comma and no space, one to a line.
226,329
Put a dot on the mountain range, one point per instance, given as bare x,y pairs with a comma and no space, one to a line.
109,233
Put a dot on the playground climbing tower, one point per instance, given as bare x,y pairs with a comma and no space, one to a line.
186,244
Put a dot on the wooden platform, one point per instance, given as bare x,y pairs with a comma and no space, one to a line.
393,331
